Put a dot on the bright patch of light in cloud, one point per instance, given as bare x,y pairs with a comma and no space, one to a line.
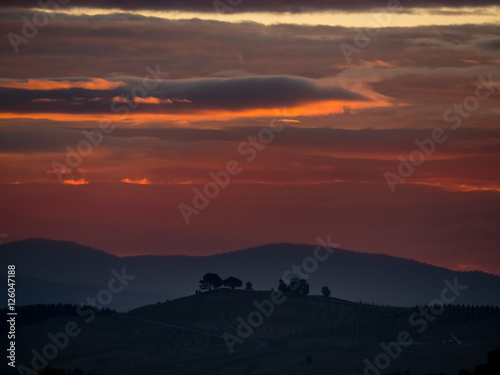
144,181
402,18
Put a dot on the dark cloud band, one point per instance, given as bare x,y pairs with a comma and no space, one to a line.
294,6
179,96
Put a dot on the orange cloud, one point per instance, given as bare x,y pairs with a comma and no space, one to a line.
38,84
319,108
466,188
45,100
147,100
76,182
144,181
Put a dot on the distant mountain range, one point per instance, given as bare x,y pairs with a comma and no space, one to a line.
54,271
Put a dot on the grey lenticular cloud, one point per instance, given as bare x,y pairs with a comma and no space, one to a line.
179,96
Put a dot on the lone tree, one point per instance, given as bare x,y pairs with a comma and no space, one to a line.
232,282
325,291
249,286
210,281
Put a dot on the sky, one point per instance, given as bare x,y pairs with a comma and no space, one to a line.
200,127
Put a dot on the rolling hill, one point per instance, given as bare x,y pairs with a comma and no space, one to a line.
302,335
66,271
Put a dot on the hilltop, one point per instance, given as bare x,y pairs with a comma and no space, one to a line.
303,335
71,270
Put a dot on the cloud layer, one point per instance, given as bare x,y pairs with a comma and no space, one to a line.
248,6
345,120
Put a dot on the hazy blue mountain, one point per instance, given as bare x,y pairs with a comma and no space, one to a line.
30,291
67,271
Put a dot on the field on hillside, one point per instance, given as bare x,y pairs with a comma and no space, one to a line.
302,335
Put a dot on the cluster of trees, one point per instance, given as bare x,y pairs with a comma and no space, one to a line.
296,285
300,287
212,281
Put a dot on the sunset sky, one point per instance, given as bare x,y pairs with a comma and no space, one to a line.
316,107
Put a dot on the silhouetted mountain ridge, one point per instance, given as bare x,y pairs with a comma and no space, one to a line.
353,276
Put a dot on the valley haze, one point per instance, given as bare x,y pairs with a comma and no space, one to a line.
65,272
